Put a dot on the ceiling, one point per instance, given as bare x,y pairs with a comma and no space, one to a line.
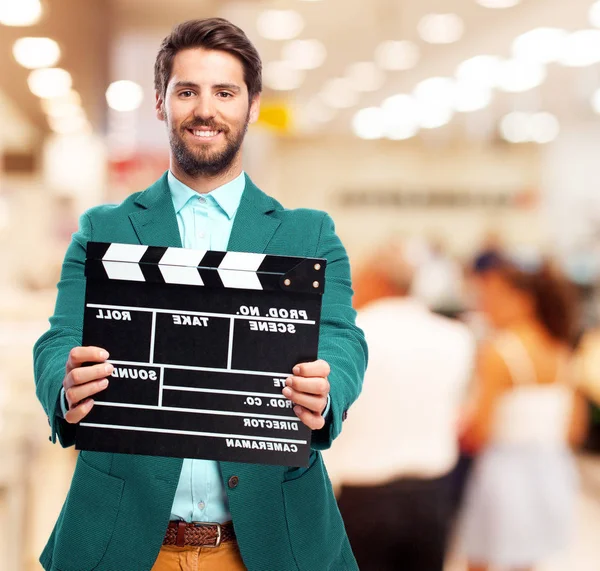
89,33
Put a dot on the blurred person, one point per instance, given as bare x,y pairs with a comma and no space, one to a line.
126,512
399,445
520,499
438,280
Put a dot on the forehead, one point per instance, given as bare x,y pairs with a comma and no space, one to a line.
206,67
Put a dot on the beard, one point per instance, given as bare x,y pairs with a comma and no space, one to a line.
205,161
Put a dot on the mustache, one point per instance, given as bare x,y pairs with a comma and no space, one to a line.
207,124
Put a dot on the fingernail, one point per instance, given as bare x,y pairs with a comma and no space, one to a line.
297,410
289,382
90,403
108,368
287,392
104,355
104,383
296,370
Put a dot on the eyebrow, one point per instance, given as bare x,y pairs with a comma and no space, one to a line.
192,85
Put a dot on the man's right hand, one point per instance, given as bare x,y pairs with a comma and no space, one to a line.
80,383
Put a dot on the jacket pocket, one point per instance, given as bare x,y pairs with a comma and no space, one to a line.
314,522
89,516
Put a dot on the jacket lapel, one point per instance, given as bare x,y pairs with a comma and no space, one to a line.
156,225
253,227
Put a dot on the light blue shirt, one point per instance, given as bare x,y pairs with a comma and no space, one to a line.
205,222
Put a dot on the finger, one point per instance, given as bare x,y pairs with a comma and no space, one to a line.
310,402
80,411
312,385
313,420
318,368
82,375
78,393
80,355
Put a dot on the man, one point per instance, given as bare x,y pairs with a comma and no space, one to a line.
121,508
394,471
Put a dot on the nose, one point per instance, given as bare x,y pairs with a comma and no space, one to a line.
205,108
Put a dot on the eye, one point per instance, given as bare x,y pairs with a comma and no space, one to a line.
225,94
187,93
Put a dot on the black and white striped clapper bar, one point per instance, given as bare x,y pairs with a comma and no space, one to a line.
201,343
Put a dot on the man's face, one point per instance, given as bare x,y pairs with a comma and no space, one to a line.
206,110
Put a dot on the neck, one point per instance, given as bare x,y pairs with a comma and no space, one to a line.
205,183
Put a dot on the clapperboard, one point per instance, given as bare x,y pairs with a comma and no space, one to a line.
202,343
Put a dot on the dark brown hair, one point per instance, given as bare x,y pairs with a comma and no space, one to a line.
210,34
554,296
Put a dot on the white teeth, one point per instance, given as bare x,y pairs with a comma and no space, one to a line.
206,133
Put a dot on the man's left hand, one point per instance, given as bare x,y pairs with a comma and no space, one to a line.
308,389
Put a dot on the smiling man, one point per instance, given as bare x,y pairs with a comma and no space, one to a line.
142,513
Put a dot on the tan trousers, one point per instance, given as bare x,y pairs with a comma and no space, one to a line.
226,556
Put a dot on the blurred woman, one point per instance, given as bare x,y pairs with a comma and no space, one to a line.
519,503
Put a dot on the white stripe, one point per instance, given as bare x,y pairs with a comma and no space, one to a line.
242,261
182,257
221,392
181,275
124,271
239,279
125,253
230,347
208,369
152,336
191,432
195,410
204,313
160,386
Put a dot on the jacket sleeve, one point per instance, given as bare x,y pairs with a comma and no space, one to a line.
341,343
51,351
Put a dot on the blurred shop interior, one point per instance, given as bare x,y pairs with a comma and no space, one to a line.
454,125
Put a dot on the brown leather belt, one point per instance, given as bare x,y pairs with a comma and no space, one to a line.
198,533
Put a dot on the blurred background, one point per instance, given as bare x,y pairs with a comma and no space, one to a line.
454,126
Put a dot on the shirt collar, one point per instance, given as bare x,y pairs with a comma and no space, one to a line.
226,197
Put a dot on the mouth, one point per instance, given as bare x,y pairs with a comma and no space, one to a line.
204,135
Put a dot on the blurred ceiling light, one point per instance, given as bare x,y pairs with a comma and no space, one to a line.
34,53
401,115
20,12
540,45
436,92
397,55
594,14
369,123
69,125
581,49
49,82
304,54
514,127
516,76
498,3
124,95
441,28
339,93
469,97
481,70
70,98
543,128
282,76
366,76
433,117
63,109
315,111
279,24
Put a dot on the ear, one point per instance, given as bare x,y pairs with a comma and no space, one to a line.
160,107
254,109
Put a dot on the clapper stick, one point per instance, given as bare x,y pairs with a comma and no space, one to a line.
201,342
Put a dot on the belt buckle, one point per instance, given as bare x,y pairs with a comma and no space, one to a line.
219,531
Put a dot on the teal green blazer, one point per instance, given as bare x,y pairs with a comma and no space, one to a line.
118,506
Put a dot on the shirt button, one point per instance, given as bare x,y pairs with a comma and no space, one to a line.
233,482
201,505
201,199
201,234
